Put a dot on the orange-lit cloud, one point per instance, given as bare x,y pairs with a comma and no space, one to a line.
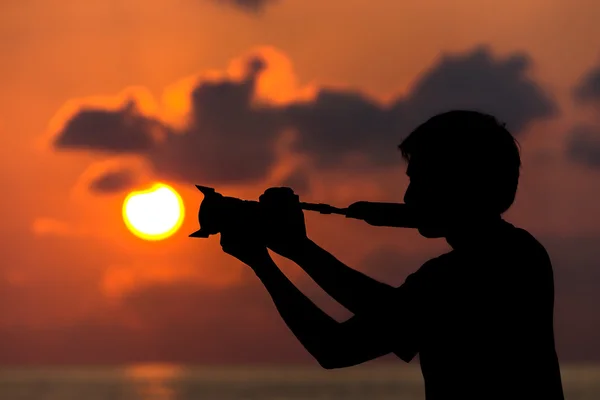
234,123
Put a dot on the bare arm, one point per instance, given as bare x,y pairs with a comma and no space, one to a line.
351,288
333,344
286,236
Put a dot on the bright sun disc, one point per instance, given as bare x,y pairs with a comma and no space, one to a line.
153,214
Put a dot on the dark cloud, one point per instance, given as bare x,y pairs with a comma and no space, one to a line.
478,80
583,145
588,89
230,137
253,6
113,181
121,131
341,122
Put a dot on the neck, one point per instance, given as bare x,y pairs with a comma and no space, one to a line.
473,232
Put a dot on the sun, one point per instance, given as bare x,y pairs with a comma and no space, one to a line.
155,213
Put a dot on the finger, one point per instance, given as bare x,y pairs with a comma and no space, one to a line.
239,239
271,195
230,247
274,191
226,247
223,242
279,195
228,239
287,191
279,192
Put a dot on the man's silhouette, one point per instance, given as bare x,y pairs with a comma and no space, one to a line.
480,317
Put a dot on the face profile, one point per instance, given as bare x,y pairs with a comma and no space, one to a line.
463,168
431,196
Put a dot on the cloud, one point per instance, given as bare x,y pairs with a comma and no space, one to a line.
113,176
253,6
583,145
121,131
229,138
588,89
583,141
113,181
341,122
232,128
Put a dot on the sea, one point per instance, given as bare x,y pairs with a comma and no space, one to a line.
176,382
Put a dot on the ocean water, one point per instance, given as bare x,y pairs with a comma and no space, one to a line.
171,382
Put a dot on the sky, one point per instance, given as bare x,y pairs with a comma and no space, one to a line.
103,97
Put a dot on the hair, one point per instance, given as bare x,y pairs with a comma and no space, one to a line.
476,147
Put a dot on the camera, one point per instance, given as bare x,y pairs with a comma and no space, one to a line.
218,213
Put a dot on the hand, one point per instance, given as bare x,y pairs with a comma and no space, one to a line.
285,230
358,210
244,246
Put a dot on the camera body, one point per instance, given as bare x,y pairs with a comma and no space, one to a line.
218,213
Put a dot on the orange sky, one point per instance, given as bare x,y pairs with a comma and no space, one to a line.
73,278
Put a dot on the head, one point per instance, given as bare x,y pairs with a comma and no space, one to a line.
463,168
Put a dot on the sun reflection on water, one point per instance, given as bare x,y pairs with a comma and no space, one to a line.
154,381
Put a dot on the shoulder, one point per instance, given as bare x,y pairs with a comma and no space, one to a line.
529,246
437,262
431,268
421,287
532,262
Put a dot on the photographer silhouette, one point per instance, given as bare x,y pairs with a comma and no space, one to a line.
480,317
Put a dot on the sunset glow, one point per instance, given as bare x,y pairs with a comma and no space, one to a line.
107,106
153,214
